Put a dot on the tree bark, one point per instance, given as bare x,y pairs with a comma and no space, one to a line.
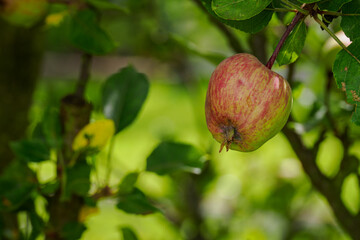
20,61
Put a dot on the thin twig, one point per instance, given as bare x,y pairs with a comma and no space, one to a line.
280,9
84,75
334,37
338,13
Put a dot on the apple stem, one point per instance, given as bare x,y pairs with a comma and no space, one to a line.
292,25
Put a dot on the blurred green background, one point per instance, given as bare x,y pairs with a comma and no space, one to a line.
260,195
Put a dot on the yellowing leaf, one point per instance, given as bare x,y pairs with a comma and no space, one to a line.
94,135
87,211
55,19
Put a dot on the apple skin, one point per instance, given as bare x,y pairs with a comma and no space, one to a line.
246,103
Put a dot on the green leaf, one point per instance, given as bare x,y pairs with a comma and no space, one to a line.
350,193
127,184
13,194
128,234
347,76
238,9
308,1
107,5
332,5
351,24
31,150
293,45
135,203
169,157
123,95
78,179
251,25
49,129
50,187
87,35
73,230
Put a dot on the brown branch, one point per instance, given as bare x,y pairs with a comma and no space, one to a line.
323,184
232,39
84,75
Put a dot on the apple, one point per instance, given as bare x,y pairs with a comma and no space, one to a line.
246,103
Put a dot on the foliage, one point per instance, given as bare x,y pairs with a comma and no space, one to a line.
73,137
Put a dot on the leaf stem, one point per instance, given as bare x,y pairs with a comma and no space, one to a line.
338,13
291,5
108,162
334,37
292,25
281,9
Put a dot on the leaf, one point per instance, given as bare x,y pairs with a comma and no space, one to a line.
293,45
107,5
128,234
351,24
332,5
49,129
238,9
94,135
347,76
31,150
350,193
87,35
127,184
308,1
135,203
123,95
72,230
251,25
13,193
77,179
50,187
169,157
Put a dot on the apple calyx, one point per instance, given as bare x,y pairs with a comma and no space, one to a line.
229,133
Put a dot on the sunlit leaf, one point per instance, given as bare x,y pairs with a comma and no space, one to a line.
87,35
239,9
251,25
169,157
350,193
135,203
123,96
347,75
293,45
55,19
31,150
351,24
94,135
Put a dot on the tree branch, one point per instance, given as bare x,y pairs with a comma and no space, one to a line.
84,75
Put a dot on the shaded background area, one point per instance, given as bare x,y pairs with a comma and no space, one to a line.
259,195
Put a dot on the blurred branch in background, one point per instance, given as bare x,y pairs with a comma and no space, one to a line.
21,52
